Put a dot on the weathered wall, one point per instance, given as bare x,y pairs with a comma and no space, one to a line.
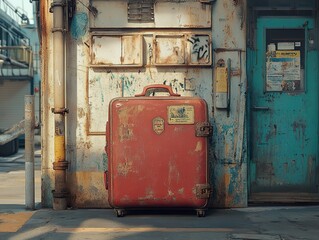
90,88
229,168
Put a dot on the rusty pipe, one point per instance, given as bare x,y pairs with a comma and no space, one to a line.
60,165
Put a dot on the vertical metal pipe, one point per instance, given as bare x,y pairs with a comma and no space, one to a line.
29,151
60,165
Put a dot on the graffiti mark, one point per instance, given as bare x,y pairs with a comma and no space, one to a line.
199,48
150,50
79,25
127,85
175,85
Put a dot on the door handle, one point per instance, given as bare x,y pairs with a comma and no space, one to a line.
260,108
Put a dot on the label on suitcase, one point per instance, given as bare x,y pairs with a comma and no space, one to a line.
157,151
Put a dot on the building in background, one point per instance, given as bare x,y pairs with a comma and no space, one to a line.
19,68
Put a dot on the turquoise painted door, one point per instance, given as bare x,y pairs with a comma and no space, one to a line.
284,111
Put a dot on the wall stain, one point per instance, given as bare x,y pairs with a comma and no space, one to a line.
79,25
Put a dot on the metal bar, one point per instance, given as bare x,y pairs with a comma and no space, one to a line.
260,108
29,151
228,85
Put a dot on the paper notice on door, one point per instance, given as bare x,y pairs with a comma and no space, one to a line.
283,71
286,46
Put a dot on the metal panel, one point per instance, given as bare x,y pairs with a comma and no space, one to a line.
188,49
89,89
182,14
169,50
167,14
229,143
116,50
140,11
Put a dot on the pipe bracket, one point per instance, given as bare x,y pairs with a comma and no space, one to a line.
56,4
61,111
63,165
63,194
58,30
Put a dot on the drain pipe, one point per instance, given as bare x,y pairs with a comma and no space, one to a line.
60,165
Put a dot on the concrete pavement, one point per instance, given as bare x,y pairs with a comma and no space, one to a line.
259,223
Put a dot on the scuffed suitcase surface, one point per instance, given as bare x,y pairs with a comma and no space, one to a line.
155,158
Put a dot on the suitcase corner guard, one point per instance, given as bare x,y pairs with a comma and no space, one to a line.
203,191
203,129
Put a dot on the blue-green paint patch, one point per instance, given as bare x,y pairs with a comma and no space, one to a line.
105,162
127,85
79,25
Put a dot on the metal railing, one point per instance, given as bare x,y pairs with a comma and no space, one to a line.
16,61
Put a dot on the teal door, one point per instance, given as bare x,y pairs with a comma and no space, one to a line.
284,111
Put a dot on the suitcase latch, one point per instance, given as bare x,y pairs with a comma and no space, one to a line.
203,191
204,129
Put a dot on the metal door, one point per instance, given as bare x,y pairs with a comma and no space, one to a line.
284,111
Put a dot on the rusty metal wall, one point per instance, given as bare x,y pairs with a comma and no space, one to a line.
94,77
229,175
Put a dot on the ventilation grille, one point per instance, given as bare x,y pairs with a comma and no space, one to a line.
140,11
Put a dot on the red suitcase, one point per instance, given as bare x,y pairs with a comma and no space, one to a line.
157,152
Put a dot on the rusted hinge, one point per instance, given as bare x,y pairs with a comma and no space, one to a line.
203,129
203,191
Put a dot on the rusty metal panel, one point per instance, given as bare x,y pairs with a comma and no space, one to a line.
116,50
167,14
169,50
229,140
89,89
140,11
182,14
114,11
187,49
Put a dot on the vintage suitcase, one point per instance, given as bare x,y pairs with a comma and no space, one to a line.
157,152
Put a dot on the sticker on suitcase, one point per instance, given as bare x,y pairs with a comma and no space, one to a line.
158,125
181,114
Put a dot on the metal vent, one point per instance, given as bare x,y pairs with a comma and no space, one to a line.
140,11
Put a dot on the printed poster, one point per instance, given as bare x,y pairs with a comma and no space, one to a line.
283,71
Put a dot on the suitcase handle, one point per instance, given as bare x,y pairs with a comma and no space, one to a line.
157,88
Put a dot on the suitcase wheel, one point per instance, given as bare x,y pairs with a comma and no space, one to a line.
120,212
200,213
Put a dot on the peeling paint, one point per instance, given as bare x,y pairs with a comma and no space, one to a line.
199,146
79,25
125,168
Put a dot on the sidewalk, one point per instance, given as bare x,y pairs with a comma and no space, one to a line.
259,223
